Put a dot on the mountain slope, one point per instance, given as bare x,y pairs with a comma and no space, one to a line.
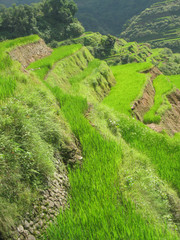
158,25
108,16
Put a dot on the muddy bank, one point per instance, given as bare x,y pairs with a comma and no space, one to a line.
29,53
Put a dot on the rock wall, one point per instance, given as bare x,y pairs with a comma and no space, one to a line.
29,53
51,201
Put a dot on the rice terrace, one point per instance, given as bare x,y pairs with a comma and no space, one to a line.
89,120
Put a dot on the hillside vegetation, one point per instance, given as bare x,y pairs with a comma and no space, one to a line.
99,190
34,136
107,16
127,185
50,19
158,25
104,16
110,48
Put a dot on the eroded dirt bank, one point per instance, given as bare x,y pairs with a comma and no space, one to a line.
29,53
171,119
147,100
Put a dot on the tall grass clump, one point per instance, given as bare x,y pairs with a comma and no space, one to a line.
128,87
162,86
42,66
32,133
97,208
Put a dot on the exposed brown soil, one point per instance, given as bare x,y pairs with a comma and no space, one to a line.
171,119
29,53
147,100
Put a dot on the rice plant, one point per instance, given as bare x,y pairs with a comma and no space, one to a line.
128,87
43,65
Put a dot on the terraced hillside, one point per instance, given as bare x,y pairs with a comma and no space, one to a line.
158,25
107,16
71,111
104,16
111,49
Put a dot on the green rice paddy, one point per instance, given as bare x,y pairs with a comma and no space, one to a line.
129,86
97,206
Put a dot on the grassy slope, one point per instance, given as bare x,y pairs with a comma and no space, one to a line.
95,196
8,71
42,66
28,115
129,86
161,25
96,192
120,52
175,80
160,151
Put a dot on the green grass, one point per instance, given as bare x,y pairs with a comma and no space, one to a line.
42,66
162,150
91,66
155,54
8,70
95,194
97,208
29,116
129,86
162,86
175,79
7,86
